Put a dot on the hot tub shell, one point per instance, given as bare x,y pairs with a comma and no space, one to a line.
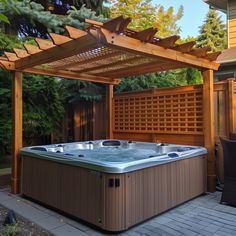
112,201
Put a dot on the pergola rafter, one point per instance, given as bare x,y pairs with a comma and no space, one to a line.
105,53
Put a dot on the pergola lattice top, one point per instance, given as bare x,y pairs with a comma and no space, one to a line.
106,52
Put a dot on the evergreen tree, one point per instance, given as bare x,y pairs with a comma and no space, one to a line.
3,17
61,7
31,19
43,107
76,90
173,78
5,117
213,32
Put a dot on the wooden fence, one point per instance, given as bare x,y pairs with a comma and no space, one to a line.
169,115
165,115
85,121
225,120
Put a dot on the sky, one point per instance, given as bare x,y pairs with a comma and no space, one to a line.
194,14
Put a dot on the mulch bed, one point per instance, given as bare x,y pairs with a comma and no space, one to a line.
26,228
5,180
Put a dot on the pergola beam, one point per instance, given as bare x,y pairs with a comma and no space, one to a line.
60,73
150,50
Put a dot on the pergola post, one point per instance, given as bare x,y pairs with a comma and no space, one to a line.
231,105
209,128
109,104
16,131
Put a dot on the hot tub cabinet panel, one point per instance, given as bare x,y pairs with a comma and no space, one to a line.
113,202
73,190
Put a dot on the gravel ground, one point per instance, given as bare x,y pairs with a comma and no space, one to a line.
26,228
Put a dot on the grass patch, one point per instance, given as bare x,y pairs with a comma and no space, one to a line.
11,230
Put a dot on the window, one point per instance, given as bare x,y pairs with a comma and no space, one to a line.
219,76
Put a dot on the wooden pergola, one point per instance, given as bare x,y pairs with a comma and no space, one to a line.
104,53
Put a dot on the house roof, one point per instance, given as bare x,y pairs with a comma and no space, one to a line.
227,56
220,4
106,52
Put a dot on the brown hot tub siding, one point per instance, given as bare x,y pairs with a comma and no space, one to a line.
86,194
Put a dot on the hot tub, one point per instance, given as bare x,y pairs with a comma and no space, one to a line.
113,184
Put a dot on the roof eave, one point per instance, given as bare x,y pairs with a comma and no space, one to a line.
218,4
226,62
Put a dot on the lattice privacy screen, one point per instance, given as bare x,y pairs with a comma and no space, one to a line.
164,113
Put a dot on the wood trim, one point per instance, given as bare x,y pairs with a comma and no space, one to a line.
209,128
17,131
150,50
60,73
160,91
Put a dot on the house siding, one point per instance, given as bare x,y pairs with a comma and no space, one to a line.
232,23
